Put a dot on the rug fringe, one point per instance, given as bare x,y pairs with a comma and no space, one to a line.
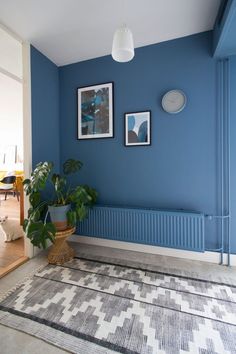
5,294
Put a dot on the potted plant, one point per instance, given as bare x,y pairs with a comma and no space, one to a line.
66,205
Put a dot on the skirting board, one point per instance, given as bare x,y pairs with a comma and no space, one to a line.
211,257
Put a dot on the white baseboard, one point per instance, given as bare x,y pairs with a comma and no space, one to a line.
211,257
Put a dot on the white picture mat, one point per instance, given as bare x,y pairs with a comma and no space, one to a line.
144,116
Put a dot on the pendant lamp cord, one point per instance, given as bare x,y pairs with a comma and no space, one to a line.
123,15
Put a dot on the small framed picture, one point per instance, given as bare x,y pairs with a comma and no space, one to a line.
138,128
95,111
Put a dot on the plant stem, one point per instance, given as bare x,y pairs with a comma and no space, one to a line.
45,219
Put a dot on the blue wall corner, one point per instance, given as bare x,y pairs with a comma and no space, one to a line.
45,109
224,43
180,170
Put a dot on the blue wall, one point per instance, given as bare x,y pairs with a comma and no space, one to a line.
45,109
179,169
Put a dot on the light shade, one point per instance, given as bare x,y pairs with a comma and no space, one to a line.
123,45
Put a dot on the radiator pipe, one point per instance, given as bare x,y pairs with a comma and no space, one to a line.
211,217
228,155
222,157
220,249
213,249
224,114
225,158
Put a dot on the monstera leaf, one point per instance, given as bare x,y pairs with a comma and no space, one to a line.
39,232
79,195
35,199
71,166
71,218
38,178
78,214
92,193
81,212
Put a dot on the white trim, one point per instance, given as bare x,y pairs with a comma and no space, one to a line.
12,76
27,132
27,125
211,257
18,39
11,33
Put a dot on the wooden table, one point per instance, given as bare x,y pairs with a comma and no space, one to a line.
60,251
20,190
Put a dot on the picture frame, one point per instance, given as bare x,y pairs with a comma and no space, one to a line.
138,128
10,155
96,111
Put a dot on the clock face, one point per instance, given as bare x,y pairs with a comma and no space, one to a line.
174,101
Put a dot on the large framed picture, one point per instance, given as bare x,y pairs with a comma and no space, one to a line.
95,111
138,128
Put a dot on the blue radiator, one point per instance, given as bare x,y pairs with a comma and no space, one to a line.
175,229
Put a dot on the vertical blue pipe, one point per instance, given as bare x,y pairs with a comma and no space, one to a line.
222,157
228,150
224,107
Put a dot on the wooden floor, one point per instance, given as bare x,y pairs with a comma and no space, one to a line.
11,253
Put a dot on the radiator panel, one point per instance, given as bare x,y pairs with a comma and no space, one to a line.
174,229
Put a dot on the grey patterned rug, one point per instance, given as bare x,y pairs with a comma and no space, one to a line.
93,306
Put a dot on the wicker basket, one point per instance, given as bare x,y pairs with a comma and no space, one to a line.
60,251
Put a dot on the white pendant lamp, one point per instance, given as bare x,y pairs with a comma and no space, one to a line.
123,45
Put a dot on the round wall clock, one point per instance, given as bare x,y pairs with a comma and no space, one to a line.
174,101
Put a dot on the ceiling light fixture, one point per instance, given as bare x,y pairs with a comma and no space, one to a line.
123,45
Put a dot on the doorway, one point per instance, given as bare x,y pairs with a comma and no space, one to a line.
14,142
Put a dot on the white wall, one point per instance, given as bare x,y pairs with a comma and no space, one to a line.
11,121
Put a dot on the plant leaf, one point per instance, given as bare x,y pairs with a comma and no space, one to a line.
81,212
34,199
71,218
93,194
71,166
39,233
38,178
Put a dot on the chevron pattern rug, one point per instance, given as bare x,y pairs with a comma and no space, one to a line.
93,306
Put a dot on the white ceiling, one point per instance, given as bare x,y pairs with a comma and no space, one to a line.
67,31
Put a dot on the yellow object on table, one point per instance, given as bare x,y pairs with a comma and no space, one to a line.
60,251
17,173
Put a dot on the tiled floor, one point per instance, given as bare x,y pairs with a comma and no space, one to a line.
13,341
203,270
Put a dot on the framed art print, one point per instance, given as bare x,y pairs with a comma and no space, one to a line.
95,111
138,128
10,155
